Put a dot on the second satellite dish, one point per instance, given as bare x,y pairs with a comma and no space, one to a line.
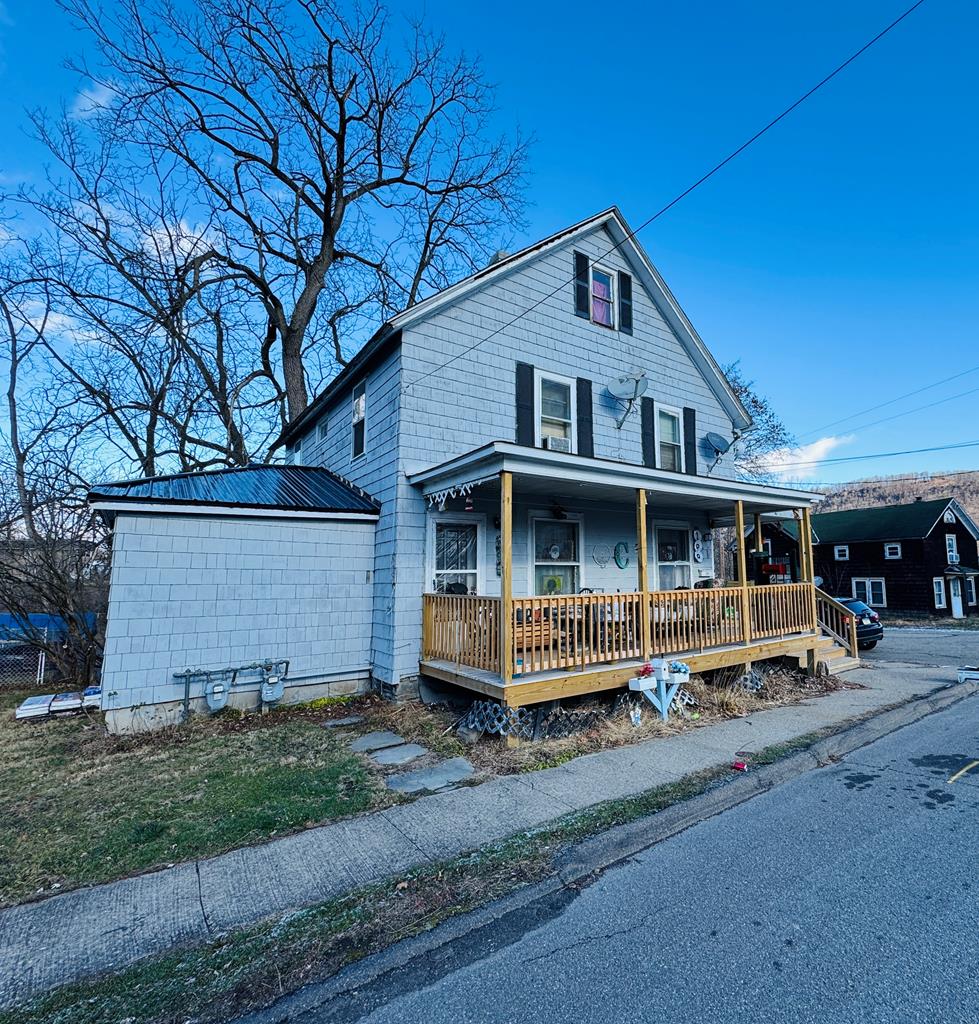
718,442
628,388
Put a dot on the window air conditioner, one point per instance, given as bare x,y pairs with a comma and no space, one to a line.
558,444
953,558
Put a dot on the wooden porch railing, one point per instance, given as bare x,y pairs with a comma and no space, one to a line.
780,609
462,628
576,630
838,621
694,620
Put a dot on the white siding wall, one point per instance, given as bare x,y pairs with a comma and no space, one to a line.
205,592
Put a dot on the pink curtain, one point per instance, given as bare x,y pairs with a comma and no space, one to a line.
602,302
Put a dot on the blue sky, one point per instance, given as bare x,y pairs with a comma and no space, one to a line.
838,258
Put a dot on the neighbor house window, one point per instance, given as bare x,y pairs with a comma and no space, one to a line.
556,412
842,554
892,551
870,591
557,559
670,440
321,429
952,547
938,585
673,558
359,419
602,299
456,558
294,453
970,589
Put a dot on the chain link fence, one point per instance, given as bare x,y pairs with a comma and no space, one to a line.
22,665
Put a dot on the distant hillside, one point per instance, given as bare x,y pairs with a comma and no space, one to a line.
897,490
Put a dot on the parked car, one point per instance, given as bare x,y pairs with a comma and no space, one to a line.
869,628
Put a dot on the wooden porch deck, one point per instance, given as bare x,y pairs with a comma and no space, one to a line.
555,684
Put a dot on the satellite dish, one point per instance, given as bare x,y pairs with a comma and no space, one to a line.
718,442
628,388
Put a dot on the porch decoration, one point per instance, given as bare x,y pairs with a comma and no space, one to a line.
602,554
437,499
658,681
621,555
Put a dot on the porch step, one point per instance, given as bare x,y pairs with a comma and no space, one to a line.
834,657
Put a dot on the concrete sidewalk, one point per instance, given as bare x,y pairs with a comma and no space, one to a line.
108,927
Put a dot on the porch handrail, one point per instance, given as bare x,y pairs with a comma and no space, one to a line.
838,621
462,628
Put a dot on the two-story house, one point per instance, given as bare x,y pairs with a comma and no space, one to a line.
512,487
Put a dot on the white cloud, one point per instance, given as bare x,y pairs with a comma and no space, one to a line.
802,463
91,100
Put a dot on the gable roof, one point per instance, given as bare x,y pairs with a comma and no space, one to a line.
293,489
624,240
888,522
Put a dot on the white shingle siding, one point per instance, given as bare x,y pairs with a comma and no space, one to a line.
208,592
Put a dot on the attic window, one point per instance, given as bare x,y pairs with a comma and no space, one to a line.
841,552
359,419
892,551
602,297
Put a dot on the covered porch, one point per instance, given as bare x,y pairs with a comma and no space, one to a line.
599,566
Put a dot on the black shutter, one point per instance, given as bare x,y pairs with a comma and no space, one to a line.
525,404
625,302
581,285
647,416
586,438
690,440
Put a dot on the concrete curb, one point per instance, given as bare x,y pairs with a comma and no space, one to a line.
421,959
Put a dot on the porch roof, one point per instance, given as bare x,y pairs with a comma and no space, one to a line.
537,467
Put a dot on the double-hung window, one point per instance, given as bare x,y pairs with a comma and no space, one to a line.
970,589
602,297
456,569
670,427
938,585
557,558
952,547
359,419
870,591
556,412
841,553
892,552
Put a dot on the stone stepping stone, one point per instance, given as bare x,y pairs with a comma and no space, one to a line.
398,755
375,741
339,723
428,780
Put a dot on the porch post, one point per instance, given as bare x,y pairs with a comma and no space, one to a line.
808,574
759,540
742,571
506,577
645,631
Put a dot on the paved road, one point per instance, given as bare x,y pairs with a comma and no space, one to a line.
927,647
848,895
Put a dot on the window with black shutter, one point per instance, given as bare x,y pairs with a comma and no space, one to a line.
582,286
625,303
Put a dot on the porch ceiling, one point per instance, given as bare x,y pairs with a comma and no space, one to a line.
539,472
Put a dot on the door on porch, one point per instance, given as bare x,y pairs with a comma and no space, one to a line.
955,589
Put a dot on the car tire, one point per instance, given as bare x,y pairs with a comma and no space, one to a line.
869,646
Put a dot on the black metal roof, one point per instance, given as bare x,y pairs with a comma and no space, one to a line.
287,488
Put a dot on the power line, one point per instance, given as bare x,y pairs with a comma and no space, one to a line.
879,455
899,398
669,206
919,408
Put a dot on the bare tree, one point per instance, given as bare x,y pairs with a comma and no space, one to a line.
53,555
336,177
767,434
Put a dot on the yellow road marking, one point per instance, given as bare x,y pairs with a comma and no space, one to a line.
962,771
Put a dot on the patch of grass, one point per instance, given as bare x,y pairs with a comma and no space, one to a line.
931,621
253,967
81,807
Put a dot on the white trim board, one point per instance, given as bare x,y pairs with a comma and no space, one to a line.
222,511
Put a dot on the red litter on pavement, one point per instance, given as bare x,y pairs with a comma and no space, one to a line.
739,766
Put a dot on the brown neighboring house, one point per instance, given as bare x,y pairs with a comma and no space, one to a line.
922,557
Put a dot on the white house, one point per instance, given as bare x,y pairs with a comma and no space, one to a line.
539,451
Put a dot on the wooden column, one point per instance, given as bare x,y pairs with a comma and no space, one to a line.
742,562
807,571
643,557
506,577
759,539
